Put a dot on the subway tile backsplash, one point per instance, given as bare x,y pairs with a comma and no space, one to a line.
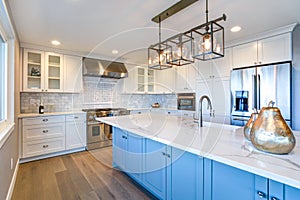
97,93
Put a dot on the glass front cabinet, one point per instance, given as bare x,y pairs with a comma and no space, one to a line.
42,71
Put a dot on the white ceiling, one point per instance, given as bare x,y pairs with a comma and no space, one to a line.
99,26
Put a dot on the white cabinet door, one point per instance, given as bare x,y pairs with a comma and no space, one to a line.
130,83
222,67
75,131
205,69
53,72
165,81
72,74
186,78
275,49
218,90
33,71
244,55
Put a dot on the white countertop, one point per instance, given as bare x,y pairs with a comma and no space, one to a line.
222,143
25,115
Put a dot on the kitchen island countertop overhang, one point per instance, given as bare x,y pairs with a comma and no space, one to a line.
220,142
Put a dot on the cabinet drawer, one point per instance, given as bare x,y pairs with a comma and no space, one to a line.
76,117
37,132
40,147
43,120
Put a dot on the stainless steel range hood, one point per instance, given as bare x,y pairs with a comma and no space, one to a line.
104,68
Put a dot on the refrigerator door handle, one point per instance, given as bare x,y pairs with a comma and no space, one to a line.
258,92
254,86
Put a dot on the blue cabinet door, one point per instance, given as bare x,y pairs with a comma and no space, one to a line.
186,175
225,182
134,156
155,170
119,148
291,193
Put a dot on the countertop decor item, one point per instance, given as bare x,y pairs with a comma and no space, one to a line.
249,124
155,105
271,133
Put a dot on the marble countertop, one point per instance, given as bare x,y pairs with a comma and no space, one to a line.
222,143
25,115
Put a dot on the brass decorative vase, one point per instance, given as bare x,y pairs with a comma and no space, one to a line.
249,124
270,132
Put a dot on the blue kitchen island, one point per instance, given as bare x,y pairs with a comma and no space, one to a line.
174,159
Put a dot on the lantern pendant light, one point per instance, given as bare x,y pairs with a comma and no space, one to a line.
208,39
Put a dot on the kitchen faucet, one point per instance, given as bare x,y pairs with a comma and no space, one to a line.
209,106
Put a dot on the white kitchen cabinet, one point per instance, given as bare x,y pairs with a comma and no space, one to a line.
75,131
186,78
218,90
72,74
270,50
42,71
165,81
43,135
140,80
216,68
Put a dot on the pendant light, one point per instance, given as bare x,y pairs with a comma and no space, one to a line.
208,39
182,47
159,53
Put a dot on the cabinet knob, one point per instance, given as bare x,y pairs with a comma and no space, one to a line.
45,120
261,194
168,155
274,198
45,131
163,153
42,90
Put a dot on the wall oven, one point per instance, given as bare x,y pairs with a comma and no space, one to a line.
186,101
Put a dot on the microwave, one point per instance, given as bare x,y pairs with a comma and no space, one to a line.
186,101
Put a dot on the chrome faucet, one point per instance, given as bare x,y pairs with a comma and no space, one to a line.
209,106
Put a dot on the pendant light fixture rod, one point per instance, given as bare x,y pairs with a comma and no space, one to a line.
173,10
206,11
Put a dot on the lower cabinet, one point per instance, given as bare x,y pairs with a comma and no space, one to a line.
128,153
171,173
225,182
156,163
75,131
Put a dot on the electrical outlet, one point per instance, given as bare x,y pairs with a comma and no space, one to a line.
11,163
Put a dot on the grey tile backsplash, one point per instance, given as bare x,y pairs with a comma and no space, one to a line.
97,92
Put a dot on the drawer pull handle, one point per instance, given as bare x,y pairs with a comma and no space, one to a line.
45,120
45,131
45,146
261,194
76,117
274,198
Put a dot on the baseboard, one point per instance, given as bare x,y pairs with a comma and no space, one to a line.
13,181
24,160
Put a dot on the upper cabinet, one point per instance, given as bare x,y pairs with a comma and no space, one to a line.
270,50
148,81
186,78
216,68
72,74
51,72
42,71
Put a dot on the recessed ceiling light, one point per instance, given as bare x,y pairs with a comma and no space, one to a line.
55,42
114,51
235,29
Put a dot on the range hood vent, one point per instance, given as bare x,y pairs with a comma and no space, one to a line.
104,68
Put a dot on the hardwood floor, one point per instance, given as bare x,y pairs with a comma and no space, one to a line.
75,176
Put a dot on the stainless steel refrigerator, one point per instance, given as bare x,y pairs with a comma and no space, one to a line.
254,87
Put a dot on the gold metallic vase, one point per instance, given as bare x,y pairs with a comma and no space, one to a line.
249,124
270,132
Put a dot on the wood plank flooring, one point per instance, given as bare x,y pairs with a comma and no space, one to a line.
82,175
